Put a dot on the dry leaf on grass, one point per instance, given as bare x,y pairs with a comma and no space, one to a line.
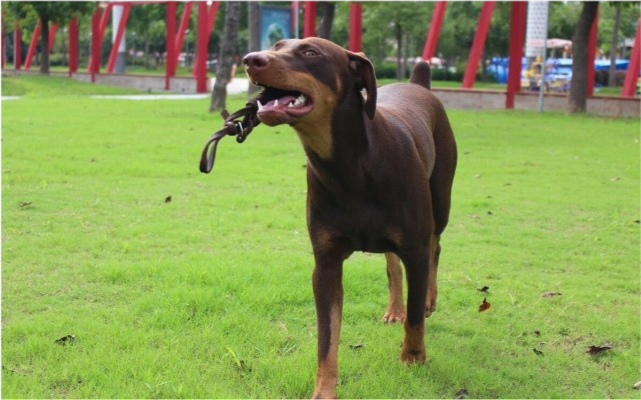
484,306
484,289
69,339
551,294
594,350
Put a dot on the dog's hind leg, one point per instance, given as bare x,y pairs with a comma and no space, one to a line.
395,309
417,270
432,290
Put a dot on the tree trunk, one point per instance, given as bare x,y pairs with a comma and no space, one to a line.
254,37
327,19
226,59
44,58
612,82
577,99
399,52
147,66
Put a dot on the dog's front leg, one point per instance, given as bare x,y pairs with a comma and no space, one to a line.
417,265
328,295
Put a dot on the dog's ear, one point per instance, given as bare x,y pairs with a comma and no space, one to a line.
363,69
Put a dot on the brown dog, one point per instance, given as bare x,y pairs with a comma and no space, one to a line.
379,175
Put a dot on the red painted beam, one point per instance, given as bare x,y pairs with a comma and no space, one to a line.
211,21
478,44
52,35
73,45
184,23
202,40
517,37
355,26
32,46
632,75
170,37
592,43
100,31
435,29
309,19
113,56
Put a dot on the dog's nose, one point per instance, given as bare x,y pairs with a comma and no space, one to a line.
256,60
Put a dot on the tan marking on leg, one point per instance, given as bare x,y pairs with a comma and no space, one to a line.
395,308
327,372
432,289
414,344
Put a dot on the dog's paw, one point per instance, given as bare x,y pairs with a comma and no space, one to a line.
429,309
413,357
393,316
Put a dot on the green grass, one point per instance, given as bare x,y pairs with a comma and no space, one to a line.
209,295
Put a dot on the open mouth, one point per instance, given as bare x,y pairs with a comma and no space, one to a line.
279,106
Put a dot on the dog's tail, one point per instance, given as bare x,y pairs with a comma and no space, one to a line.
422,75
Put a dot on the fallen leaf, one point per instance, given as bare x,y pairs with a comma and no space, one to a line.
538,352
168,199
484,289
594,350
26,203
462,394
637,385
68,339
489,213
537,333
551,294
615,179
356,346
484,306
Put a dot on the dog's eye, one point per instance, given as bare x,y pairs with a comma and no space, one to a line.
310,53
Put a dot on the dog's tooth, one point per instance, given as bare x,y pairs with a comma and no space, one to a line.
302,98
276,103
290,104
260,106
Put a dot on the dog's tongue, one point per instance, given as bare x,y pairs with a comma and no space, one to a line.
282,102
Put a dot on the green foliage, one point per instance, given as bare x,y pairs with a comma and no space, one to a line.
209,295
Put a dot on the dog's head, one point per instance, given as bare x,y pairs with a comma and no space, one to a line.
304,80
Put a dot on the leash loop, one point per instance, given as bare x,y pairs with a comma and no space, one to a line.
233,127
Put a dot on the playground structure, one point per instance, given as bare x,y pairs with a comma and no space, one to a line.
206,18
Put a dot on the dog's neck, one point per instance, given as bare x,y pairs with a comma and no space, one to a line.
346,134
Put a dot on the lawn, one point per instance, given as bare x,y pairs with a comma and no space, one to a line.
176,284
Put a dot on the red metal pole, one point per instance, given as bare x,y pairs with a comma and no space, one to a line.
113,56
100,30
94,65
435,30
170,40
184,23
355,26
632,75
73,45
517,37
309,19
17,48
478,44
203,39
32,46
52,35
211,19
592,52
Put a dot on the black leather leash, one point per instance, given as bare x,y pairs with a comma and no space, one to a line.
233,127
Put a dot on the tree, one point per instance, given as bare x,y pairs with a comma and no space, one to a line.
327,10
50,12
577,99
141,18
227,53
